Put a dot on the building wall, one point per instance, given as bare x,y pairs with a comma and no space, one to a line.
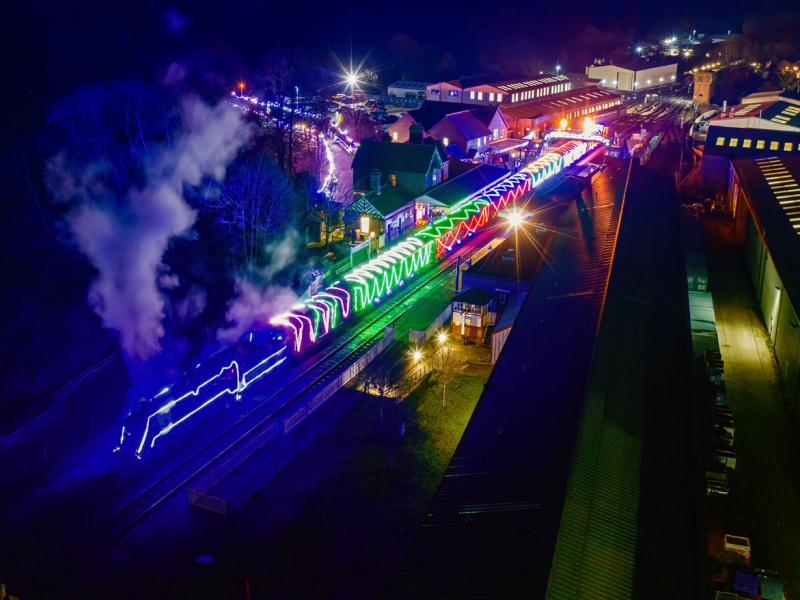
627,80
701,91
443,92
398,130
714,174
445,129
499,338
493,284
777,309
608,74
657,76
406,92
500,125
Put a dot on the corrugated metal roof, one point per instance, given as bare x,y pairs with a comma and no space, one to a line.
492,526
597,555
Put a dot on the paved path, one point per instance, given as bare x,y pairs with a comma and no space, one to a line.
767,478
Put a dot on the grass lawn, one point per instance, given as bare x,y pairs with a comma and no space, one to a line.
353,501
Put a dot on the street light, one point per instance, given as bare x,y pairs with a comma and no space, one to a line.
417,355
558,68
442,337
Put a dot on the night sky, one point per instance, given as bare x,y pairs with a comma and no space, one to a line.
49,47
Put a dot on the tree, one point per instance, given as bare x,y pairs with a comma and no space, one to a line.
358,124
446,363
332,207
120,126
252,207
382,381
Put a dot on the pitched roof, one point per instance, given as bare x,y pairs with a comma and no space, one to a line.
411,85
465,185
558,103
430,113
527,258
467,124
747,140
390,199
474,295
388,156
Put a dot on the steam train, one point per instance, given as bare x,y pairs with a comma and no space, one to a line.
299,330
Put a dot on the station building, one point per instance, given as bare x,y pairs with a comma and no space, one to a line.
637,76
765,193
408,89
764,124
574,106
497,89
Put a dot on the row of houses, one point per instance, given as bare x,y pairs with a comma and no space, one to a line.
751,160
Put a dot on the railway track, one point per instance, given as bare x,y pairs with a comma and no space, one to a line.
69,558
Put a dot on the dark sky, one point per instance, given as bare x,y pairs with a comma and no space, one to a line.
50,46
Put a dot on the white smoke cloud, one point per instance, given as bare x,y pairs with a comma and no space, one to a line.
282,253
126,238
253,307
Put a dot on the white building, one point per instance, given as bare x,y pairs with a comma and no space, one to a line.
407,89
633,77
492,90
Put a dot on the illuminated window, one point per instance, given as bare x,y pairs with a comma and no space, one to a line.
499,97
721,141
495,133
480,95
773,145
394,136
491,96
446,141
393,179
472,95
747,143
364,224
734,142
787,147
759,144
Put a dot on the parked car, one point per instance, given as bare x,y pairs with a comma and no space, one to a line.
771,586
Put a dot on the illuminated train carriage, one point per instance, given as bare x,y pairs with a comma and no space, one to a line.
226,375
312,319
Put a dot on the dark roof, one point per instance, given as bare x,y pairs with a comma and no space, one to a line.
441,149
465,185
510,312
784,113
412,85
430,113
454,151
644,63
475,79
526,259
467,124
782,239
475,296
718,141
389,156
390,199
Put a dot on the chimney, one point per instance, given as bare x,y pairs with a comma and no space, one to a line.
415,133
375,181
